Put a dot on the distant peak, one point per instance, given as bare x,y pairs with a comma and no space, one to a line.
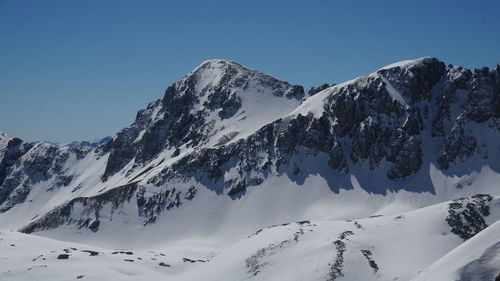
4,136
91,143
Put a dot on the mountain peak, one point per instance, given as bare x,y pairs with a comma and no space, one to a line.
215,62
219,75
219,66
412,63
218,102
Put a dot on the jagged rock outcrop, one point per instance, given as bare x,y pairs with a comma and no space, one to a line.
93,143
85,212
373,116
316,89
475,100
25,164
466,215
188,112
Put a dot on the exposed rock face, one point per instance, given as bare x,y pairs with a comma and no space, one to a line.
185,115
376,118
382,115
379,117
89,206
229,128
12,152
416,79
268,150
93,143
478,96
316,89
25,164
466,215
88,214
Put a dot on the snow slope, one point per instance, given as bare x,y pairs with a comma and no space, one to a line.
30,257
390,247
475,260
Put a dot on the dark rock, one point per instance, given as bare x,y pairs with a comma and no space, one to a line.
296,91
417,80
466,215
235,187
63,257
122,252
191,193
460,144
94,226
368,255
316,89
92,253
58,216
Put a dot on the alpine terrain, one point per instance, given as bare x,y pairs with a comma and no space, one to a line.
236,175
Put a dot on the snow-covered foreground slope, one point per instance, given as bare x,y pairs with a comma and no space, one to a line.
392,247
31,257
475,260
385,247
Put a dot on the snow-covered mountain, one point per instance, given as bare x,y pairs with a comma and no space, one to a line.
401,154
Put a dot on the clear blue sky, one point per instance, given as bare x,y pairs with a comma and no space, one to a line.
77,70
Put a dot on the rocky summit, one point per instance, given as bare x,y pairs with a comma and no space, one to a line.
338,172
